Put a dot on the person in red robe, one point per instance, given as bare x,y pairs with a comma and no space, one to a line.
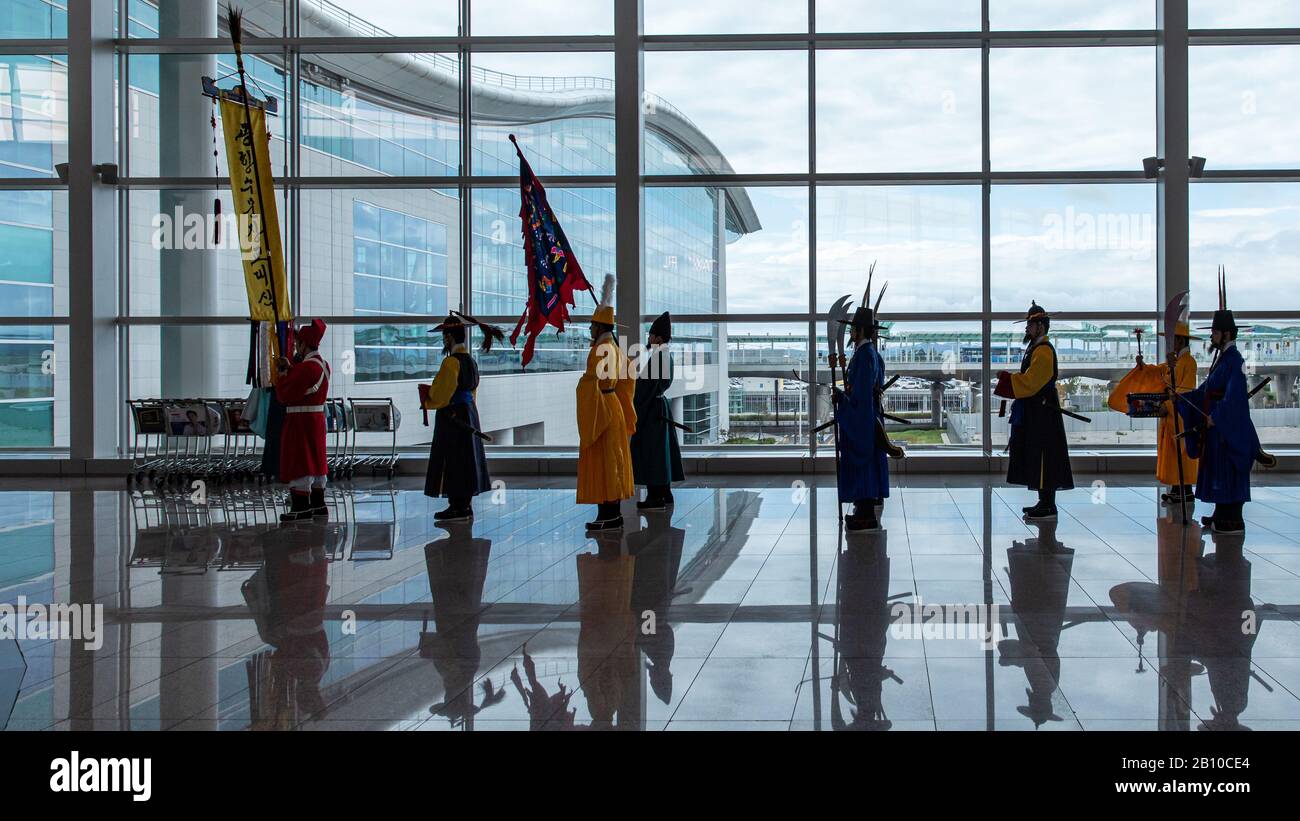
302,388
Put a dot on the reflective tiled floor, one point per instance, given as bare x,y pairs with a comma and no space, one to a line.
741,608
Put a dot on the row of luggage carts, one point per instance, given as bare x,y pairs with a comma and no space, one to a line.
176,442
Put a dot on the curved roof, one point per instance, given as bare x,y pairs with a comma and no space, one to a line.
424,82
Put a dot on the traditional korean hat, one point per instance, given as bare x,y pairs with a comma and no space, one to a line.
864,318
1035,312
456,319
1181,330
662,326
605,309
312,334
1223,318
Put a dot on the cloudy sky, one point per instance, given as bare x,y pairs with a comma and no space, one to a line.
1069,247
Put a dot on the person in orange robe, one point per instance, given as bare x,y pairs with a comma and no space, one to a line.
1146,378
1171,449
606,420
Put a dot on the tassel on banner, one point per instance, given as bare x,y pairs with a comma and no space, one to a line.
216,164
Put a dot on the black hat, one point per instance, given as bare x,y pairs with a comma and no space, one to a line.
1223,321
456,319
452,322
1223,318
864,318
663,326
1036,312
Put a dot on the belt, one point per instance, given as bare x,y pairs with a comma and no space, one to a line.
305,409
610,390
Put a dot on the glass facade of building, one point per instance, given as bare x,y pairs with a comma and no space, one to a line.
889,155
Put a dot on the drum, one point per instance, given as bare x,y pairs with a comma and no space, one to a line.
1145,405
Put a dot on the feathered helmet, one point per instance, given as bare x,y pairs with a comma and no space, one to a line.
1223,318
456,319
605,309
864,318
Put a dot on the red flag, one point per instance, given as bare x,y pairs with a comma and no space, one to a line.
553,270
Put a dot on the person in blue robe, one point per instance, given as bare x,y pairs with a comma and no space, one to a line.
1219,430
864,450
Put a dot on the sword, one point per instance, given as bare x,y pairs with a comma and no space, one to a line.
463,425
835,322
829,422
880,390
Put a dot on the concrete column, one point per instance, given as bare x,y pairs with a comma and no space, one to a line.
188,279
936,404
92,220
628,216
1171,146
1283,386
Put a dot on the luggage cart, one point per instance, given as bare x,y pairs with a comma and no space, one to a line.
241,454
339,455
191,426
149,429
375,416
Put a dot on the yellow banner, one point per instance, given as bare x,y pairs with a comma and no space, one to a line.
251,185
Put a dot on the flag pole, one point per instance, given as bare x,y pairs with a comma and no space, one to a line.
235,22
591,289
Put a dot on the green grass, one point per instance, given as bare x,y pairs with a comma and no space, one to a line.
918,437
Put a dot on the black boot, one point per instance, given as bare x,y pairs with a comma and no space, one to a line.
607,517
863,516
299,508
458,510
654,499
1046,507
316,502
1177,494
1228,519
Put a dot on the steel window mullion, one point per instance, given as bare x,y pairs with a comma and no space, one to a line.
811,352
293,151
986,240
465,266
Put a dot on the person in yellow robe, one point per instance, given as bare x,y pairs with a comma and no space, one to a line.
1170,449
606,420
1146,378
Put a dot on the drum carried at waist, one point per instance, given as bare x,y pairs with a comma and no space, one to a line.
1146,405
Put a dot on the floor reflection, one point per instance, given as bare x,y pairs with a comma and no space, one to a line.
743,607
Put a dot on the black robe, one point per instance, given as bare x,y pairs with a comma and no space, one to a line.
656,456
1040,457
457,464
